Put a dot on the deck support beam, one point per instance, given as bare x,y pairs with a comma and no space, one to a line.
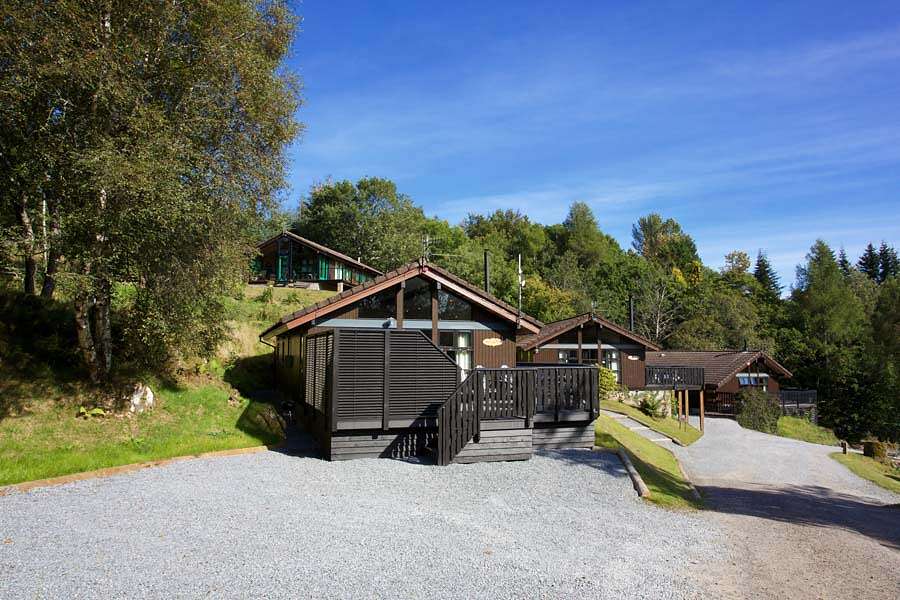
580,330
434,313
702,409
399,303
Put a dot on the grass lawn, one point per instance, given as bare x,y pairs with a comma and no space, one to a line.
657,466
687,435
41,435
806,431
49,440
878,473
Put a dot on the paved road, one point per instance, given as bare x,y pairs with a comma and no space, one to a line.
806,526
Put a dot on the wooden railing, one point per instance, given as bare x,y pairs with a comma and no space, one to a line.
673,378
490,394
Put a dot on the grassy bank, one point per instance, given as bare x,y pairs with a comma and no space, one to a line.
670,428
212,406
656,465
878,473
802,429
49,440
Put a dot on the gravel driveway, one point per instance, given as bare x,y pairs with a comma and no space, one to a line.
805,525
564,524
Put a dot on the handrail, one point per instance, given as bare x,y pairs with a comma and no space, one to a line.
490,394
673,377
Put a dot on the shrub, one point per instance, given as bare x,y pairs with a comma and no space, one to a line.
875,449
651,405
607,386
757,410
267,297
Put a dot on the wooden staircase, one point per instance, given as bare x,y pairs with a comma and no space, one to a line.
504,414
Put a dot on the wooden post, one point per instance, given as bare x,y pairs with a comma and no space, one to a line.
580,328
434,313
687,407
385,398
399,303
702,409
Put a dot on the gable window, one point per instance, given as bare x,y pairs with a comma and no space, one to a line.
417,299
453,308
382,305
758,380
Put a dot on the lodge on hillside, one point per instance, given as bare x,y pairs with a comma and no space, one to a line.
420,360
289,259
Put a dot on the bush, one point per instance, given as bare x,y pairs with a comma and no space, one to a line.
757,410
875,449
651,406
607,385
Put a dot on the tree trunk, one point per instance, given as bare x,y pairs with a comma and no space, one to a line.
28,234
53,254
84,307
102,327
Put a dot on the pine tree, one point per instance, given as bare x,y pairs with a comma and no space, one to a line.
869,262
888,263
844,262
766,275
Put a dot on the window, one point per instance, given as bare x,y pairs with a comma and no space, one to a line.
589,356
306,268
760,380
338,271
568,357
611,362
458,345
452,308
378,306
417,300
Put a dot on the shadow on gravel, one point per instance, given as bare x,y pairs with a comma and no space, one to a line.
607,462
809,505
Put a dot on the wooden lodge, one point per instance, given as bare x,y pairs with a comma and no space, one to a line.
589,339
724,373
288,259
419,360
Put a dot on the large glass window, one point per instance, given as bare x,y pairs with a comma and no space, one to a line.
568,357
378,306
611,362
417,299
453,308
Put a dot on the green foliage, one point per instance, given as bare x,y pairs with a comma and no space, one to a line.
757,410
87,413
267,297
767,277
869,262
156,134
607,384
664,242
886,476
652,406
368,220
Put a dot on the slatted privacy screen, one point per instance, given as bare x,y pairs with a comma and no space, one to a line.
388,375
319,356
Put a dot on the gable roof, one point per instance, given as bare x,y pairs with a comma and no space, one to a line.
448,280
323,249
719,366
557,328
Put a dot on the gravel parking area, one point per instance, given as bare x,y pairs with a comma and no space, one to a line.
564,524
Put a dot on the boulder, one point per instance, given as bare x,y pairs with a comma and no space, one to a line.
141,399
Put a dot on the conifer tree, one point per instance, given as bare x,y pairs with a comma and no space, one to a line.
869,263
888,263
844,262
766,275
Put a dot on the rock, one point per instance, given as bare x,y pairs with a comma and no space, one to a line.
141,399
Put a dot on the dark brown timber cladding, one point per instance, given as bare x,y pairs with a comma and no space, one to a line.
346,446
493,357
498,444
578,435
632,370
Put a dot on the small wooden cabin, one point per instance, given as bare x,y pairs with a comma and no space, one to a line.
418,359
288,259
590,339
725,373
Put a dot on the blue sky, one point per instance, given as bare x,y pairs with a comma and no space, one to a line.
755,126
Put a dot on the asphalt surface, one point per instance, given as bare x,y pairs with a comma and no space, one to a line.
803,524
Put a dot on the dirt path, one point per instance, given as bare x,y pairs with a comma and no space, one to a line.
805,525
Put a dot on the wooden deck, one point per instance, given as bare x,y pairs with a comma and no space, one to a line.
392,393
